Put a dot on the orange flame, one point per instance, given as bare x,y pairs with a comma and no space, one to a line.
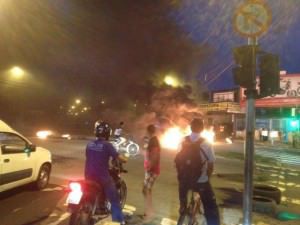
173,136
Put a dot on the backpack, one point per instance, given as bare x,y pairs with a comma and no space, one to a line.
189,162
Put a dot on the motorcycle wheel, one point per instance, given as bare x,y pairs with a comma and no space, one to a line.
123,193
132,149
80,218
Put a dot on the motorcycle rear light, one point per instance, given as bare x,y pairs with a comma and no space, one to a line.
75,187
75,194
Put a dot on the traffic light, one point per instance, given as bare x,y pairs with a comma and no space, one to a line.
293,125
269,74
244,72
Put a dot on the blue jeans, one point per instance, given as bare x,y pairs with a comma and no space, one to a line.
113,197
208,199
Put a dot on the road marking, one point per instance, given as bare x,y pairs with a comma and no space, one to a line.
53,189
128,212
16,210
280,156
167,221
61,218
130,207
295,201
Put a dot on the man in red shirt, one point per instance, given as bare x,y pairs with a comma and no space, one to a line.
152,169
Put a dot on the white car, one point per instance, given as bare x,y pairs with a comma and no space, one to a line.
21,162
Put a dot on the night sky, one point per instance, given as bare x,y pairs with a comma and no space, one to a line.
113,49
210,22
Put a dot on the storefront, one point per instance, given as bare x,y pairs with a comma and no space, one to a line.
278,115
222,112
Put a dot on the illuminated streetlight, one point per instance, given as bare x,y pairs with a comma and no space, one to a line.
102,102
73,106
17,72
171,81
78,101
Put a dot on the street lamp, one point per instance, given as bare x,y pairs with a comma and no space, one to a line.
78,101
171,81
17,72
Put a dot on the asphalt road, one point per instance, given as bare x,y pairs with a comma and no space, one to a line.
23,206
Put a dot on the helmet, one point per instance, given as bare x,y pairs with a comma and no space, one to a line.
197,125
102,129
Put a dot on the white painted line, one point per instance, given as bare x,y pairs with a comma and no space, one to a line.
53,189
167,221
130,207
128,212
16,210
61,218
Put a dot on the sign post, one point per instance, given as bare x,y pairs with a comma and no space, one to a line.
251,19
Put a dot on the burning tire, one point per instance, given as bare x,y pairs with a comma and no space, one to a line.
268,192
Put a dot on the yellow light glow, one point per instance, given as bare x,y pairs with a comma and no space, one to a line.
172,138
78,101
17,72
43,134
73,107
171,81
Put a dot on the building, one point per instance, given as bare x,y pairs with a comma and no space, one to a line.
278,115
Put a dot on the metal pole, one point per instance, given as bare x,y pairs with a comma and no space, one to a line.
249,146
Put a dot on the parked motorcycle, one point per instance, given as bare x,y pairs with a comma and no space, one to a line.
86,200
124,145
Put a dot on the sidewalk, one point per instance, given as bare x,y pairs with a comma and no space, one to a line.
277,144
229,192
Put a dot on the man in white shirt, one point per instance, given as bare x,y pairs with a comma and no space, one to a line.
202,182
119,130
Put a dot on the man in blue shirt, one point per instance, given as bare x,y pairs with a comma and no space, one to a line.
98,154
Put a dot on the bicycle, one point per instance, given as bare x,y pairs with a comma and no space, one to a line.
194,212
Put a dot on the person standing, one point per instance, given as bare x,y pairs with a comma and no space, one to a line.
118,131
152,169
195,164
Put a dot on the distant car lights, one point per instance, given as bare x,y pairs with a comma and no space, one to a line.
43,134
